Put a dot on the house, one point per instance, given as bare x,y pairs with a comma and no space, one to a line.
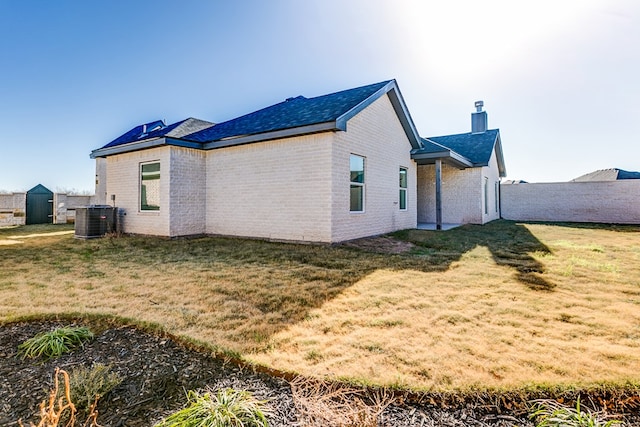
464,172
324,169
613,174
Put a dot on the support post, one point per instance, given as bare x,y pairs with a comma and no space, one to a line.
438,194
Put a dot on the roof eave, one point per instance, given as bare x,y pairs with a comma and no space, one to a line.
278,134
399,106
125,148
450,157
500,157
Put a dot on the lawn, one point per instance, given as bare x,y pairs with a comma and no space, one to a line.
500,306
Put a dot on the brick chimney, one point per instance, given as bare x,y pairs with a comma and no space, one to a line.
479,121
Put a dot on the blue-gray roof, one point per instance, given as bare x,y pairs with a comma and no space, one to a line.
156,128
477,147
429,146
622,174
291,113
294,116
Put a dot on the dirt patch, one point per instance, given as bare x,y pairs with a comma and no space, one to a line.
157,373
380,244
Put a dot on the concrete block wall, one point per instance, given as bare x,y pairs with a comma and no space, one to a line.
13,209
614,202
277,189
377,135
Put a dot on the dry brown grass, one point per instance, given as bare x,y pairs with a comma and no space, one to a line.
59,410
327,404
503,305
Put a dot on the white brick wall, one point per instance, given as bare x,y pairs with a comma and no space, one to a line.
377,135
614,202
289,189
462,192
123,172
101,182
275,189
187,193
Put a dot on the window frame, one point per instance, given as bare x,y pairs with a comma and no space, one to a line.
147,208
357,184
486,195
403,190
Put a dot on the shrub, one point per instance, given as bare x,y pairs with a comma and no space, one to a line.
87,385
52,344
227,408
549,413
60,410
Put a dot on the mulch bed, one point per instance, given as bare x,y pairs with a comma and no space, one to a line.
158,372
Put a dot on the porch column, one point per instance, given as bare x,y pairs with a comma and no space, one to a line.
438,194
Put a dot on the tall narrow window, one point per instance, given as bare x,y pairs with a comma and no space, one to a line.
486,195
357,183
403,189
497,196
150,186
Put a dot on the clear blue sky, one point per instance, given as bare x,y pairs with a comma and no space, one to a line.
559,78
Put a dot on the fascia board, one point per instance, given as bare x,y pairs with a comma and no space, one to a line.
399,106
500,156
447,156
183,143
279,134
125,148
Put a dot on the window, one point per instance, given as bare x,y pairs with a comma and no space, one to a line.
403,189
150,186
486,195
497,196
357,183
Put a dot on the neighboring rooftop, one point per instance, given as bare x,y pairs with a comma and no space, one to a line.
612,174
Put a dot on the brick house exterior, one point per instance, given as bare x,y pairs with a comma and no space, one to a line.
326,169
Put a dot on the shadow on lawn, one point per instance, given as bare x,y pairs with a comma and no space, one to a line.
236,292
510,244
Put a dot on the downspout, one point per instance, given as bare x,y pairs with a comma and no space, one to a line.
438,194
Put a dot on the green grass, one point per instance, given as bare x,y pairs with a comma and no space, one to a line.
549,413
53,344
225,408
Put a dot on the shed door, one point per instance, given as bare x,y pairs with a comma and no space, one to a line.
39,205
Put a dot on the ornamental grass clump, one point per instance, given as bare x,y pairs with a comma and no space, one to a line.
59,410
88,385
53,344
549,413
226,408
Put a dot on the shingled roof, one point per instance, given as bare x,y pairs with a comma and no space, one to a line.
291,113
612,174
292,117
476,147
158,129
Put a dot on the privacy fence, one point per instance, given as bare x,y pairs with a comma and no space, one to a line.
610,202
40,207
